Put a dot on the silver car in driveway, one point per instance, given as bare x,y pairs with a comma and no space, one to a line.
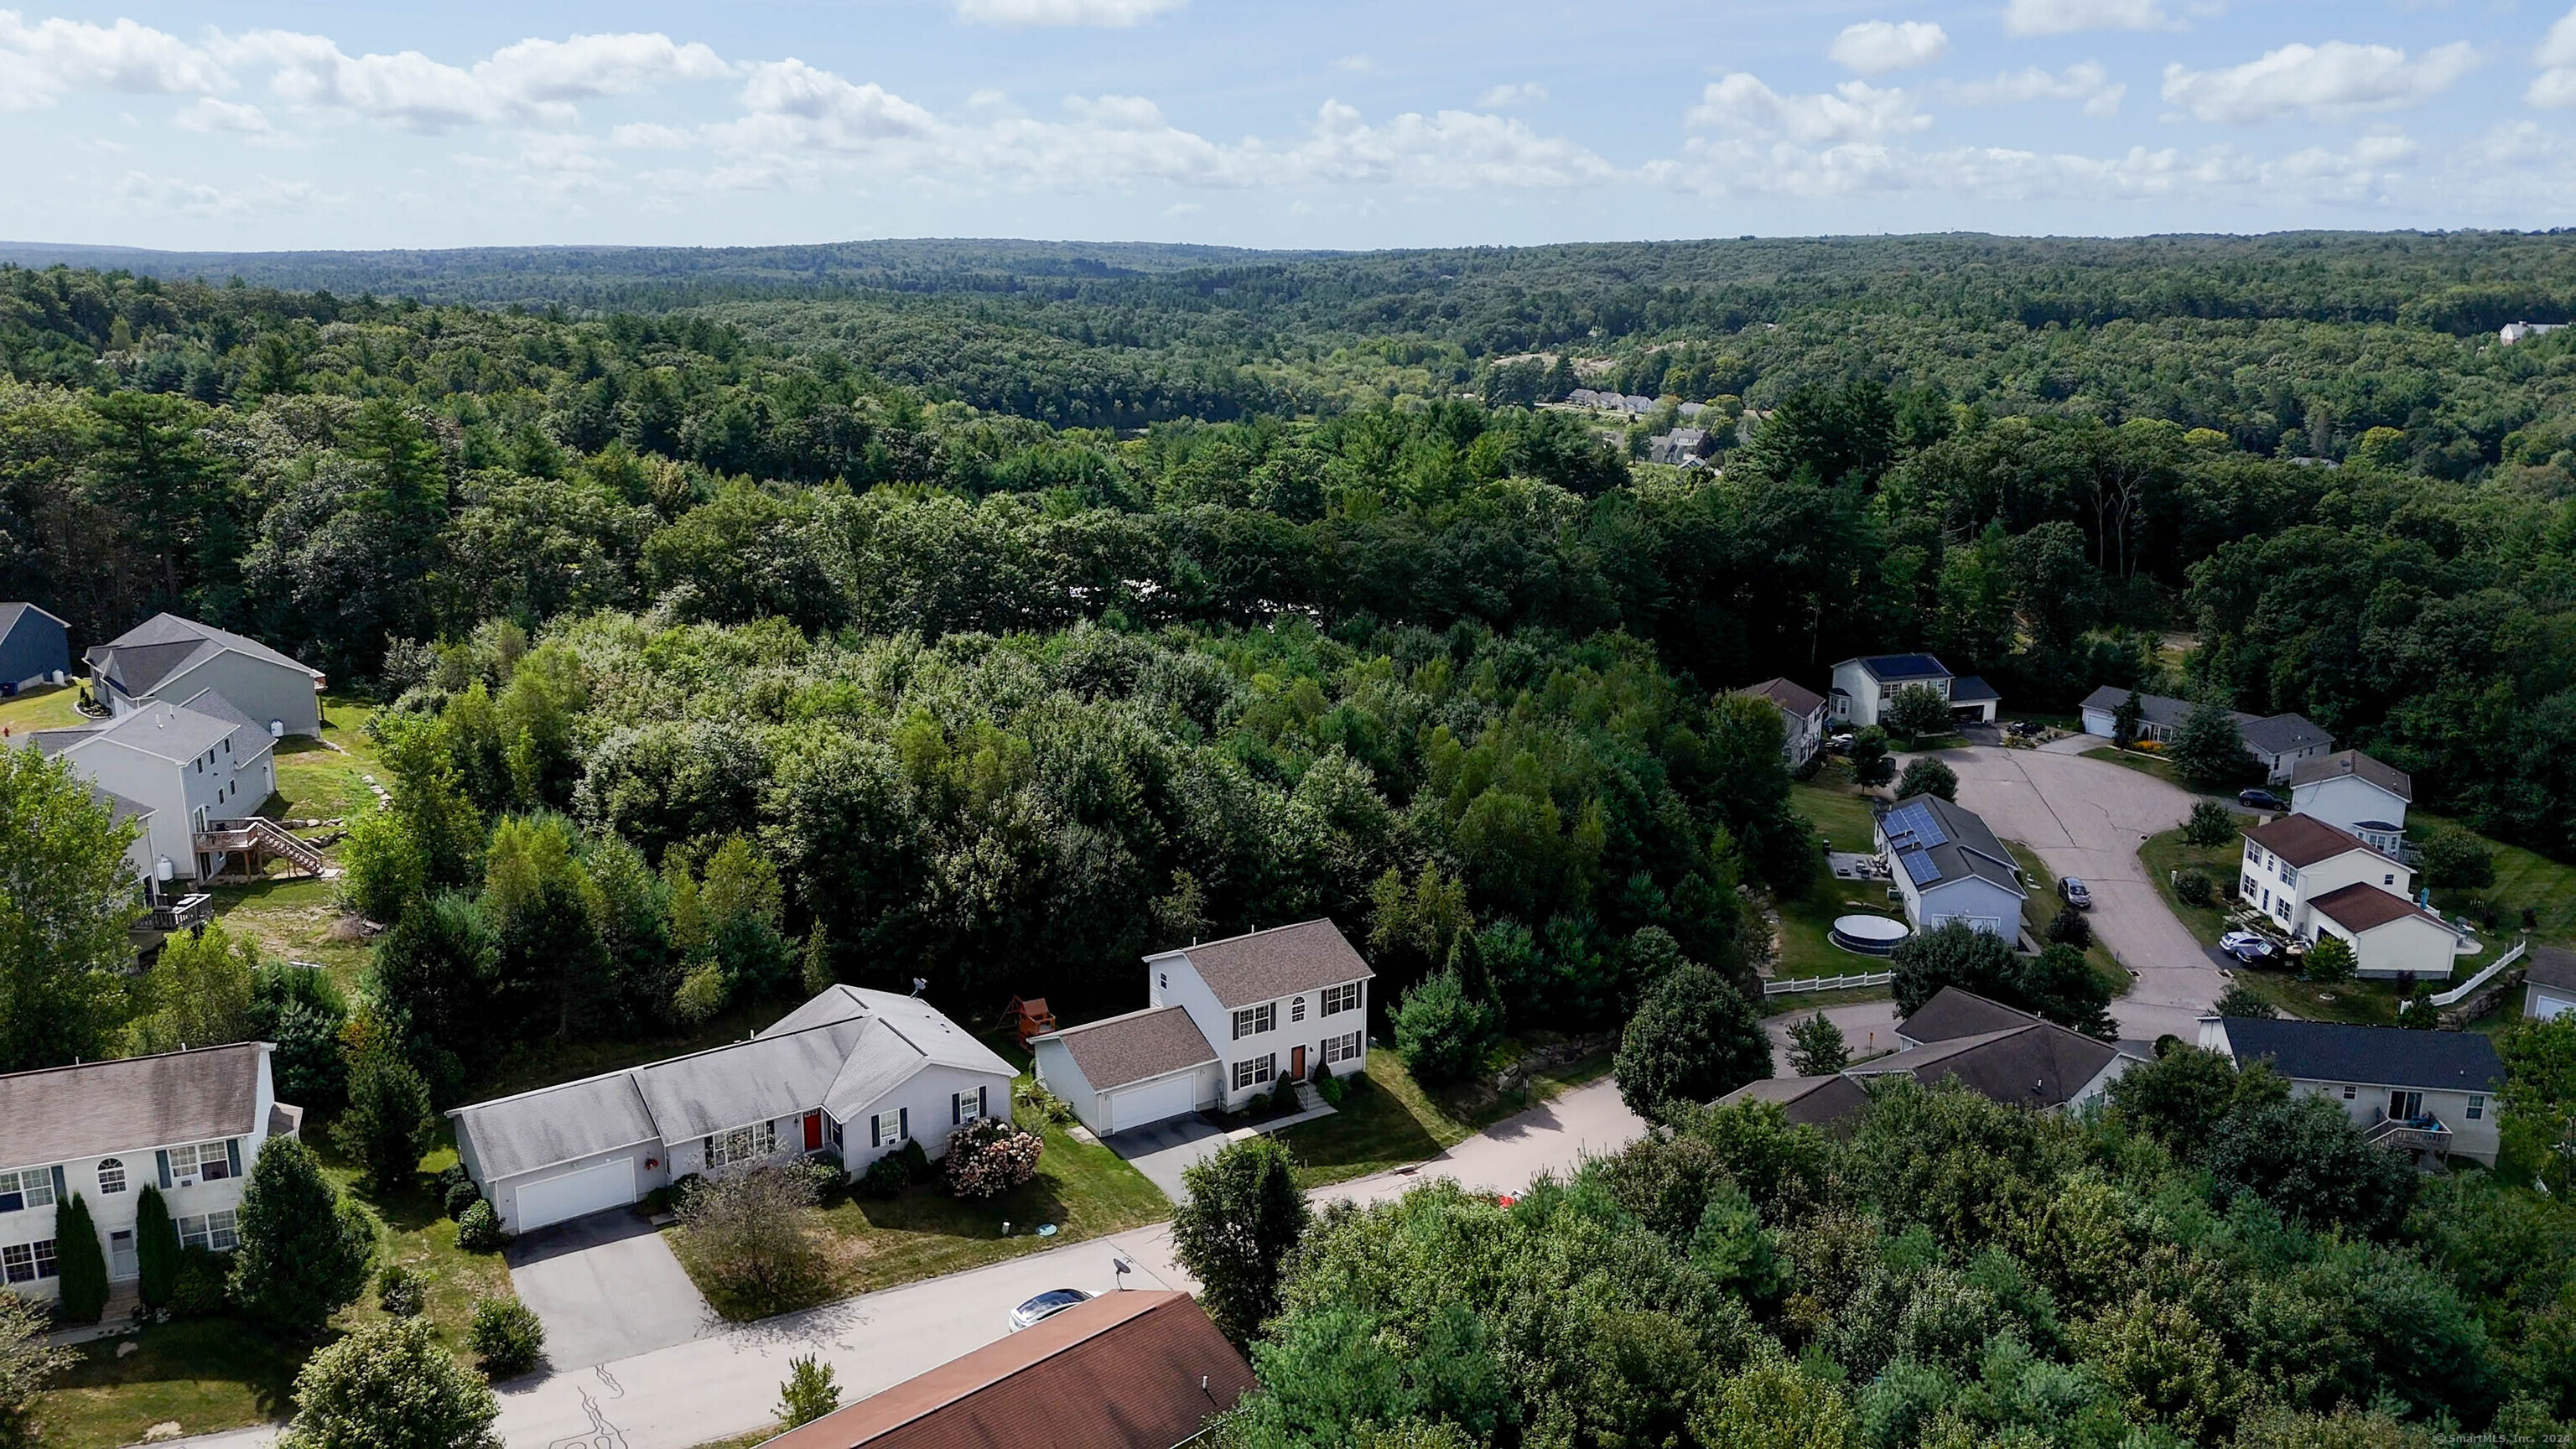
1046,1305
2249,947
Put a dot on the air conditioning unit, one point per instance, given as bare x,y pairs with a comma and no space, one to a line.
188,1181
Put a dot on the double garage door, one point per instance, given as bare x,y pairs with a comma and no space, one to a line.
1152,1101
569,1195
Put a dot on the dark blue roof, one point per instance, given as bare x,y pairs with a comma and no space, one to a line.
1904,666
1969,689
2387,1056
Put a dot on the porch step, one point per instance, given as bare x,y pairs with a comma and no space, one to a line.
1308,1099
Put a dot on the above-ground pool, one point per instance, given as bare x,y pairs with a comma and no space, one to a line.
1869,935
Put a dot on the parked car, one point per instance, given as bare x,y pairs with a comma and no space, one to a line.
2075,893
1046,1305
1839,742
2247,946
2262,800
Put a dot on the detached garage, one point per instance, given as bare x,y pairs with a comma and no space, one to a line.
1129,1071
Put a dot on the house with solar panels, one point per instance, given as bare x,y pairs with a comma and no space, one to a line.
1863,688
1948,866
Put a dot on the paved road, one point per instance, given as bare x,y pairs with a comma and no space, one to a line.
725,1384
2084,818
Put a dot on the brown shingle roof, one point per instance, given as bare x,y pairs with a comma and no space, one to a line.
1123,1371
1797,699
1117,1050
1281,961
2303,840
2362,906
134,1102
2358,765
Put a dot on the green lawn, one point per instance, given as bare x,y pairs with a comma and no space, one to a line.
2363,1003
1840,812
2144,764
291,920
316,782
2546,886
1388,1120
44,708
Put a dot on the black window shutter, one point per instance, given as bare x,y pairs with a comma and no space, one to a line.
903,1123
956,1108
62,1190
232,1154
876,1131
162,1159
983,1104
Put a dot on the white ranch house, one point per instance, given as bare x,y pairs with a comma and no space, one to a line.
853,1071
191,1123
1947,865
1225,1020
2278,743
2415,1091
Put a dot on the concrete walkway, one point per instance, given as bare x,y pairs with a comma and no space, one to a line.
2086,818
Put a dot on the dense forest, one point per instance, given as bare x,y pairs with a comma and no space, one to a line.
991,613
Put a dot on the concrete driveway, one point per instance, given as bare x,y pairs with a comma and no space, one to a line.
2085,818
1868,1028
606,1287
1555,1136
1166,1149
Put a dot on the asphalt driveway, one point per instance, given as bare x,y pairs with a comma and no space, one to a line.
2085,818
606,1287
1164,1150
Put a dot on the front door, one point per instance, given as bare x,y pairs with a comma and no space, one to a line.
813,1131
1297,1065
120,1256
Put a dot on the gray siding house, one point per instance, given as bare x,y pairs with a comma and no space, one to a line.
856,1072
2278,742
2411,1091
34,646
170,658
182,768
1948,866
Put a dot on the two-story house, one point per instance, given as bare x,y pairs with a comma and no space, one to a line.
1864,687
1947,865
189,1122
1802,718
854,1072
185,766
2314,879
34,647
2351,791
2414,1091
1225,1020
169,658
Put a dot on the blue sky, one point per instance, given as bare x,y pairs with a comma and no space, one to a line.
255,124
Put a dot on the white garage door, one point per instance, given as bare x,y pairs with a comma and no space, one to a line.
1153,1101
590,1190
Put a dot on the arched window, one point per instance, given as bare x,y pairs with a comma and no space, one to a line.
111,1175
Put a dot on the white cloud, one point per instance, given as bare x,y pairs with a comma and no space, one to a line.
1853,111
1358,62
143,192
2555,86
790,105
39,62
2084,81
1504,97
1447,149
531,81
1875,47
532,72
1111,13
210,114
2070,17
651,136
2336,78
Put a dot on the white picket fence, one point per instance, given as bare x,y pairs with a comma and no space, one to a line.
2461,992
1826,983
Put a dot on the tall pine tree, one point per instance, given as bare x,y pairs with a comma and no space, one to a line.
156,1248
80,1260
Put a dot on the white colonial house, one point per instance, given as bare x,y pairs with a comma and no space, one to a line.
1802,717
190,1123
856,1072
1863,687
2412,1091
186,765
2314,879
2351,791
1225,1020
168,658
1947,866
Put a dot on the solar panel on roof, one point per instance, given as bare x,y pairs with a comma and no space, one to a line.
1919,866
1918,821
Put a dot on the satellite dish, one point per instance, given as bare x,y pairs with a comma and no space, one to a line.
920,984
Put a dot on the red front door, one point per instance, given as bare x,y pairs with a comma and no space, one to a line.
1297,1065
813,1131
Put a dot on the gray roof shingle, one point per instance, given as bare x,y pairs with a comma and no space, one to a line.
2303,840
1797,699
129,1103
143,657
2388,1056
1117,1050
1970,849
2040,1064
1953,1013
2551,966
1831,1101
2280,734
2357,765
1281,961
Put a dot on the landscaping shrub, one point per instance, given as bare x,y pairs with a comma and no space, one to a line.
156,1248
1694,1039
751,1239
885,1177
809,1393
1442,1031
2211,823
401,1291
2192,888
459,1197
1045,1103
306,1252
479,1229
2456,860
825,1177
2239,1000
2329,960
1333,1090
916,1161
82,1264
202,1285
388,1124
988,1157
506,1337
1928,777
388,1385
2069,928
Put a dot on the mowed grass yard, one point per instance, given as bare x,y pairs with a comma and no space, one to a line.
44,708
1840,812
1388,1120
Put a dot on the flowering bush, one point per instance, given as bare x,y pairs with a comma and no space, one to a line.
988,1157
